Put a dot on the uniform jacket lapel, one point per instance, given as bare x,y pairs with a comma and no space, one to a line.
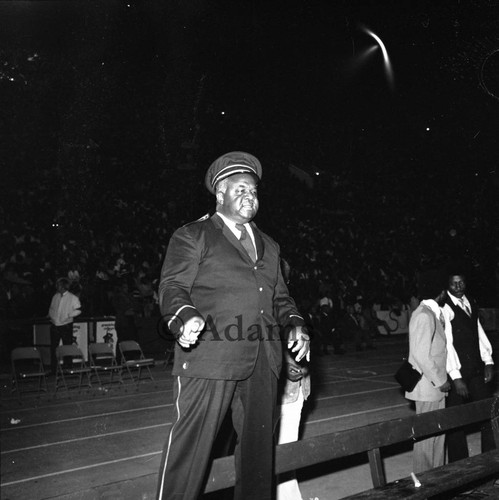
260,247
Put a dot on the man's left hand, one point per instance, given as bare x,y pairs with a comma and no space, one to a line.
489,373
299,342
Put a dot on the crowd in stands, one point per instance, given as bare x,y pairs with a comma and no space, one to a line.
340,237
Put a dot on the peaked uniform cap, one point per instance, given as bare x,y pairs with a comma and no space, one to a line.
236,162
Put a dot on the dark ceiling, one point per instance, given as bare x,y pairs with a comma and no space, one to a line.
168,83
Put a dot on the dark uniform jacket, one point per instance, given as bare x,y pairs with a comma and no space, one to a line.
208,273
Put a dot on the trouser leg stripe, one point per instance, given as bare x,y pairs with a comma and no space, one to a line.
170,437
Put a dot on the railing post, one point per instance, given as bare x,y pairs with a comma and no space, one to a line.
377,470
494,420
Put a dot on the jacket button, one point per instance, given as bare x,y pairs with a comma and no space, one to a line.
185,366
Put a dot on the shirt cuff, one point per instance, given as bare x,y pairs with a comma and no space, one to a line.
181,317
454,374
295,320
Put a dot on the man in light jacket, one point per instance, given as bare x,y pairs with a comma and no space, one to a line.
428,354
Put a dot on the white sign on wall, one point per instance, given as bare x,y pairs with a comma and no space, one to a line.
80,337
105,332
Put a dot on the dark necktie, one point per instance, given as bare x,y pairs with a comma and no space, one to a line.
246,242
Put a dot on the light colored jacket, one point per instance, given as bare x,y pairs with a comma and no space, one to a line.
427,353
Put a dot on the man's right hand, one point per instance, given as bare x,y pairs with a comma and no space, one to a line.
189,332
461,388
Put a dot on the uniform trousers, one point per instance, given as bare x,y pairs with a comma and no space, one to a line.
201,405
457,445
429,453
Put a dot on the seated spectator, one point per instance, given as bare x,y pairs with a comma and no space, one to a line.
354,328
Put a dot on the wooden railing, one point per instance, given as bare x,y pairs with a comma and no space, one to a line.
371,439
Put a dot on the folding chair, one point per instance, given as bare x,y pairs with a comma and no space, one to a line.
103,360
132,358
27,365
70,364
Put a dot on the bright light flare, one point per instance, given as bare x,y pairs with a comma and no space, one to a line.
386,59
381,44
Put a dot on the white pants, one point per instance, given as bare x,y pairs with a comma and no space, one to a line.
429,453
289,425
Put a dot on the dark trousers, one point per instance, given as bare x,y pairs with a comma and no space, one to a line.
64,332
201,406
457,446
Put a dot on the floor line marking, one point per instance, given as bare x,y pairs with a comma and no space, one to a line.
355,413
73,403
354,393
367,367
360,379
77,469
103,415
86,417
75,440
353,377
46,445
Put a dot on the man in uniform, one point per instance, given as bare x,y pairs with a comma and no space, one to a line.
223,295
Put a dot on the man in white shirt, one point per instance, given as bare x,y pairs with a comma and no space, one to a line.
469,361
64,307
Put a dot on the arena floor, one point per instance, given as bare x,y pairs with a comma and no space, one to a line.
106,443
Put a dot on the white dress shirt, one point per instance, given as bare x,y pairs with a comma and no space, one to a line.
232,226
453,363
64,308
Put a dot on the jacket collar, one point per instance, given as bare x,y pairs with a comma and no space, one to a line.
458,310
260,247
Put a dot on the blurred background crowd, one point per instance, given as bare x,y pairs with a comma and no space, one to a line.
341,236
112,112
